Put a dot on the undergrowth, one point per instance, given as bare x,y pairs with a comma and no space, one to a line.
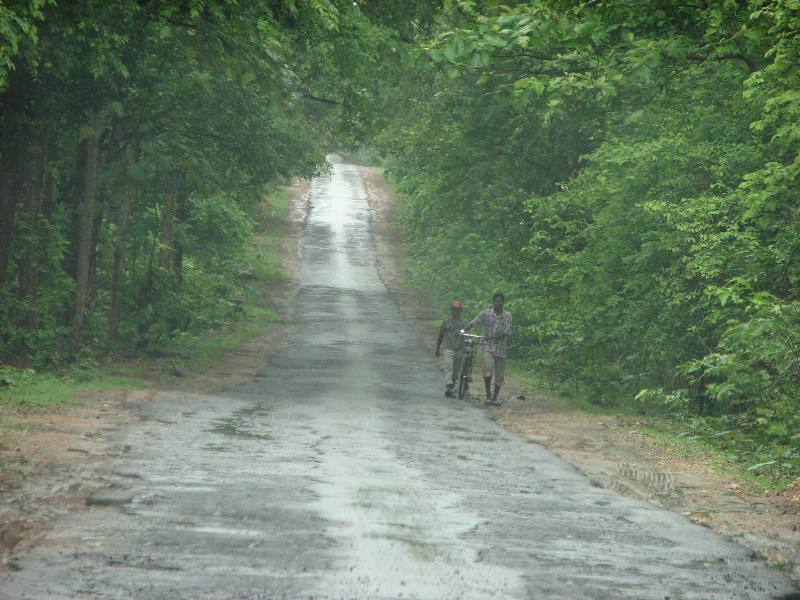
722,443
25,388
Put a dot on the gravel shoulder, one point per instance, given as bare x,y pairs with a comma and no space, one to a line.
51,462
608,449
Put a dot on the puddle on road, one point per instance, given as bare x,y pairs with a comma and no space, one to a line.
416,547
212,448
477,437
457,428
237,427
225,531
256,410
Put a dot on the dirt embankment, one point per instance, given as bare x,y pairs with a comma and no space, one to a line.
607,449
52,462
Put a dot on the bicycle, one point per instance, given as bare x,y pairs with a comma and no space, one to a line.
465,365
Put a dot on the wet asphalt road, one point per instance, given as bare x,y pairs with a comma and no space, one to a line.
341,472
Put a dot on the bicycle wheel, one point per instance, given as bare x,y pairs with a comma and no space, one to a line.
463,376
458,362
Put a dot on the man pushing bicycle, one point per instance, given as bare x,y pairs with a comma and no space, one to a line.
496,324
449,333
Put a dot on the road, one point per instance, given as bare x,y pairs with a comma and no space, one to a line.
341,471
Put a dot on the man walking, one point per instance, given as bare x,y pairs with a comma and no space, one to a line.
450,334
496,324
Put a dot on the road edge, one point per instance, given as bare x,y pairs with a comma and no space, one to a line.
645,479
54,462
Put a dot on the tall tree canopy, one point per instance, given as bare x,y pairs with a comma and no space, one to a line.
628,172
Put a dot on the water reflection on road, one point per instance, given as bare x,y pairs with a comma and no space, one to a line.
341,472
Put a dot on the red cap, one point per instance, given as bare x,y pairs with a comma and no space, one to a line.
456,304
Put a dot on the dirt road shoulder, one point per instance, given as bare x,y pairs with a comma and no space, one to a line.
608,449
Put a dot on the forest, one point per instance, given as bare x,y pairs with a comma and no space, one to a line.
626,172
137,141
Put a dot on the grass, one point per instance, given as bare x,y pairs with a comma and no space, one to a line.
43,390
523,372
784,566
272,214
198,352
667,434
27,389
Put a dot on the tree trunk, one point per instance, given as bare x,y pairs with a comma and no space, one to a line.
86,229
72,195
181,215
8,209
145,294
97,243
37,192
165,253
95,254
119,263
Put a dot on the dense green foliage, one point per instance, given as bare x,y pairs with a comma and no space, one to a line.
626,171
628,174
137,140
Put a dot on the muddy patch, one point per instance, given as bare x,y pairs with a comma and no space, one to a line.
51,463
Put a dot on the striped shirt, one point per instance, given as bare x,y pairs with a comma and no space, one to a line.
494,325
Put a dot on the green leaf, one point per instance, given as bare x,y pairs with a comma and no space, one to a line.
761,465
